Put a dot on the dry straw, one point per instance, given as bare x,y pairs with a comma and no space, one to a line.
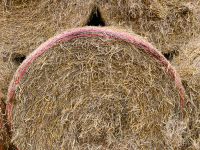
28,23
25,24
95,88
188,65
4,137
2,129
166,23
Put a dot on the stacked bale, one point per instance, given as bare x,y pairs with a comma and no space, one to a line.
95,88
4,82
7,70
26,24
166,23
188,65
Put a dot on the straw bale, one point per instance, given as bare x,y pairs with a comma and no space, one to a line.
166,23
27,24
96,88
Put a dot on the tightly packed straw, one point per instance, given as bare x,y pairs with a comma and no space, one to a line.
95,88
7,70
188,65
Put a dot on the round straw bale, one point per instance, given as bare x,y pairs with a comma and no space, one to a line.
188,65
94,88
166,23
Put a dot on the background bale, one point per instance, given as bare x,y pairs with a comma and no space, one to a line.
188,65
166,23
95,88
29,23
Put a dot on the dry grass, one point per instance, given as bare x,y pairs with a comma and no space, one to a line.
188,65
4,137
168,24
97,93
25,24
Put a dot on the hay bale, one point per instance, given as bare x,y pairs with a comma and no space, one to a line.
94,88
167,23
188,65
28,23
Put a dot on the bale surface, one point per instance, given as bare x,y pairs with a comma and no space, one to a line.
188,65
4,136
95,88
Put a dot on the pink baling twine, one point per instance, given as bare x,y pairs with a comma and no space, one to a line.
90,32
